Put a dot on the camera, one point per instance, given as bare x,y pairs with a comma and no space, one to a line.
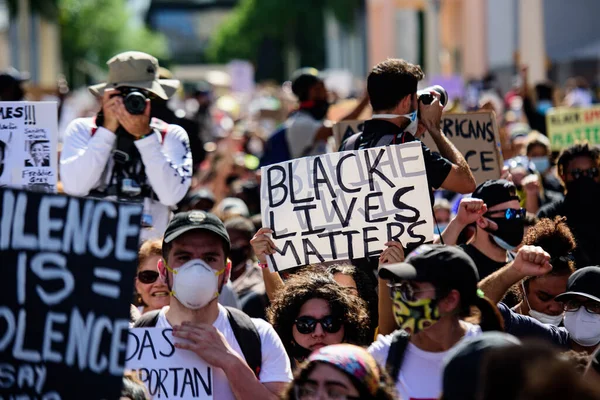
426,97
135,101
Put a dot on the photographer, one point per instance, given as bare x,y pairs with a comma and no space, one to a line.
125,154
401,115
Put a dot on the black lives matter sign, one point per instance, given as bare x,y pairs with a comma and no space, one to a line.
346,205
68,268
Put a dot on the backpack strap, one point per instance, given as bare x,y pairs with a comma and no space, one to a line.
248,338
351,143
400,339
147,320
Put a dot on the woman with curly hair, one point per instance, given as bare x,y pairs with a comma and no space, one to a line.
538,292
341,371
312,311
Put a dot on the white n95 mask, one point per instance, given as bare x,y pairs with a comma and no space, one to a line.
412,117
540,316
583,327
195,284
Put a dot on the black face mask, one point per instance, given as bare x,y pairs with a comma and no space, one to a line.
319,109
584,190
510,231
239,255
298,352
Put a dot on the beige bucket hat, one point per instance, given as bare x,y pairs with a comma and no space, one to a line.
139,70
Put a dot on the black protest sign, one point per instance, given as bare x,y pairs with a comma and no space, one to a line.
168,372
346,205
344,129
477,138
69,266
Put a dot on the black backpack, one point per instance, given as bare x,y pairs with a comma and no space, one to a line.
395,357
243,328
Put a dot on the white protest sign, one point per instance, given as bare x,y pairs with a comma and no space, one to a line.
476,136
28,145
346,205
167,372
344,129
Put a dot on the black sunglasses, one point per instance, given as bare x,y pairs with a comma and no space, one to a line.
509,213
306,325
147,276
578,173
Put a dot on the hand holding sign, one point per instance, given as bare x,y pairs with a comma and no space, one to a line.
263,245
394,253
207,342
469,211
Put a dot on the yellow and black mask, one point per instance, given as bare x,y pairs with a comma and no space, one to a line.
415,316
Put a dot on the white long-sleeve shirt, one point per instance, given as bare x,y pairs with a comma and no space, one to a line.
86,164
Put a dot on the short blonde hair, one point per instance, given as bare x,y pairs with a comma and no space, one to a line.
149,248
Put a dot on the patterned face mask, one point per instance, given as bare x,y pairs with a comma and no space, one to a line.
415,316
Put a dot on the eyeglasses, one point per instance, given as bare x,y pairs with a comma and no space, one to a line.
147,276
578,173
509,213
406,290
329,323
592,307
310,391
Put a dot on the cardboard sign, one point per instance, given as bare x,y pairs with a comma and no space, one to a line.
346,205
28,145
344,129
167,372
68,270
568,126
477,138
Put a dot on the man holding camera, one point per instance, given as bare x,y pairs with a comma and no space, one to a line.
125,154
402,115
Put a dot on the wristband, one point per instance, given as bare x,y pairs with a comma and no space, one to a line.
263,265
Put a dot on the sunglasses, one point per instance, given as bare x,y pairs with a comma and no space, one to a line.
509,213
147,276
329,323
578,173
592,307
406,290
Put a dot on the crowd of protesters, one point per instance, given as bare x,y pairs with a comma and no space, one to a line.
504,305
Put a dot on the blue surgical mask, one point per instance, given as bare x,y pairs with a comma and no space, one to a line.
542,164
503,244
413,117
543,106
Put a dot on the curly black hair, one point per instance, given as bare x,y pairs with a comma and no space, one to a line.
555,237
311,284
577,150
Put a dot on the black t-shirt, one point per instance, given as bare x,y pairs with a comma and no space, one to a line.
379,132
485,265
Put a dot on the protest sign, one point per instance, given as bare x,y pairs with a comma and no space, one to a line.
167,372
476,136
346,205
568,126
344,129
68,270
28,145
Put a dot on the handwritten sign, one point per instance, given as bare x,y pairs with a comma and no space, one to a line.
68,270
346,205
344,129
568,126
477,138
167,372
28,145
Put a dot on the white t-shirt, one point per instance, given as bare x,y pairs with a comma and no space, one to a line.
420,376
275,362
300,135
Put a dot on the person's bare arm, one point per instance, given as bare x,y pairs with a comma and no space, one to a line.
460,179
394,253
530,261
264,246
469,211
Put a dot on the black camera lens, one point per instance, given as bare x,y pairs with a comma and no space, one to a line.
135,103
426,99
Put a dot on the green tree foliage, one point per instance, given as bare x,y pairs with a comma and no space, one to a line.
298,24
96,30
